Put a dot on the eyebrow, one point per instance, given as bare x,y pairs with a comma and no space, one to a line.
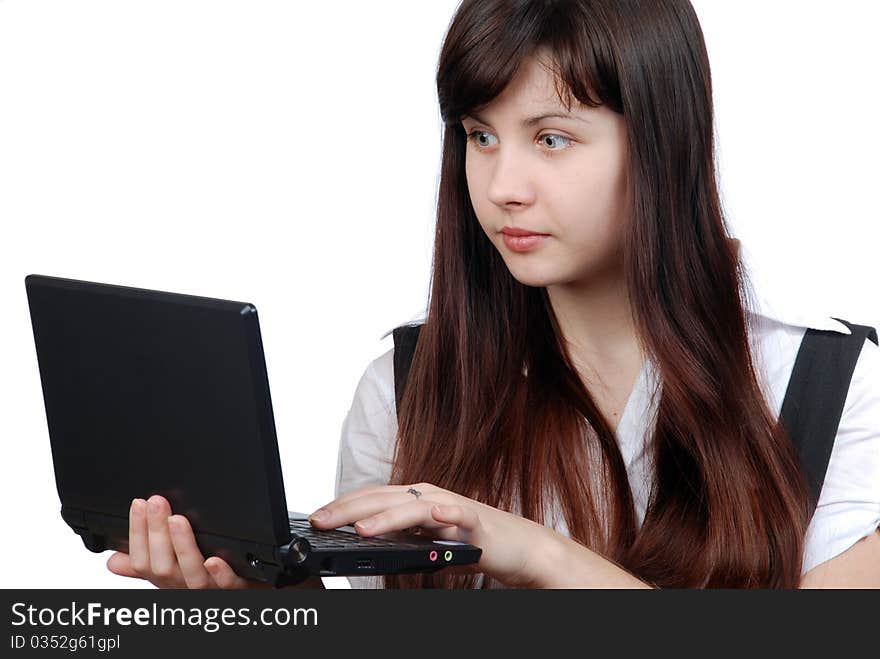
531,121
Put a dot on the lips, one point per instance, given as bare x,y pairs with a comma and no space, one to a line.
511,231
524,243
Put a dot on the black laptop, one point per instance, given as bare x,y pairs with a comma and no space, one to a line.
148,392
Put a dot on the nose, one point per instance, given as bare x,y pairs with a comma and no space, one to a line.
510,182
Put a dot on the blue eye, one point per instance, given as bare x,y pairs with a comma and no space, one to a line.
475,135
551,136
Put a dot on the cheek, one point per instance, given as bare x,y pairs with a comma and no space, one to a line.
592,208
592,218
604,180
479,202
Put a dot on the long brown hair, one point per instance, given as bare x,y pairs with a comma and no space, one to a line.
729,505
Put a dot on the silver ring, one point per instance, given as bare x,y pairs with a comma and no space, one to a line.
413,490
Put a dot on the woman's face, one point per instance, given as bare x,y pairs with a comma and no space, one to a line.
564,177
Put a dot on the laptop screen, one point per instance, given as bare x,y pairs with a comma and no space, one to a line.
149,392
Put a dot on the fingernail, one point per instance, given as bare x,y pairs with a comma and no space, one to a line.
172,525
153,506
319,515
365,523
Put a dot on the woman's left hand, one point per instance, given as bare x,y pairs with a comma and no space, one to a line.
515,549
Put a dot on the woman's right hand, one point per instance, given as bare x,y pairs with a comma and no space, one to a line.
162,549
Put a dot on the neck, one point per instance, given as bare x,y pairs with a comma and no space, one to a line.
595,319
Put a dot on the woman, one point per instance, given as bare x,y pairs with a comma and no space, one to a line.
592,396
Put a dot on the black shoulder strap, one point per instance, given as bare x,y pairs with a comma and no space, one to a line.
816,394
405,339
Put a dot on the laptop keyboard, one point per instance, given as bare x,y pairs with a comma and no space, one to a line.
336,539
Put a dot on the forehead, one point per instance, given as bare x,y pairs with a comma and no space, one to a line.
533,93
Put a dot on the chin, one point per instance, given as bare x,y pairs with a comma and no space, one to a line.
534,276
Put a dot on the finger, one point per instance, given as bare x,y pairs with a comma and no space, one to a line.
361,491
424,488
223,575
138,537
163,560
465,518
398,518
120,563
469,528
189,556
347,512
444,533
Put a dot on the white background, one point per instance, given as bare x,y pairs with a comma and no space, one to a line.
287,154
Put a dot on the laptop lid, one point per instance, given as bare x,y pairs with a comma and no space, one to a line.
153,392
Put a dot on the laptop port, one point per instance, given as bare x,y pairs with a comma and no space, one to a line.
364,563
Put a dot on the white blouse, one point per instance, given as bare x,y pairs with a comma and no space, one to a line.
849,503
